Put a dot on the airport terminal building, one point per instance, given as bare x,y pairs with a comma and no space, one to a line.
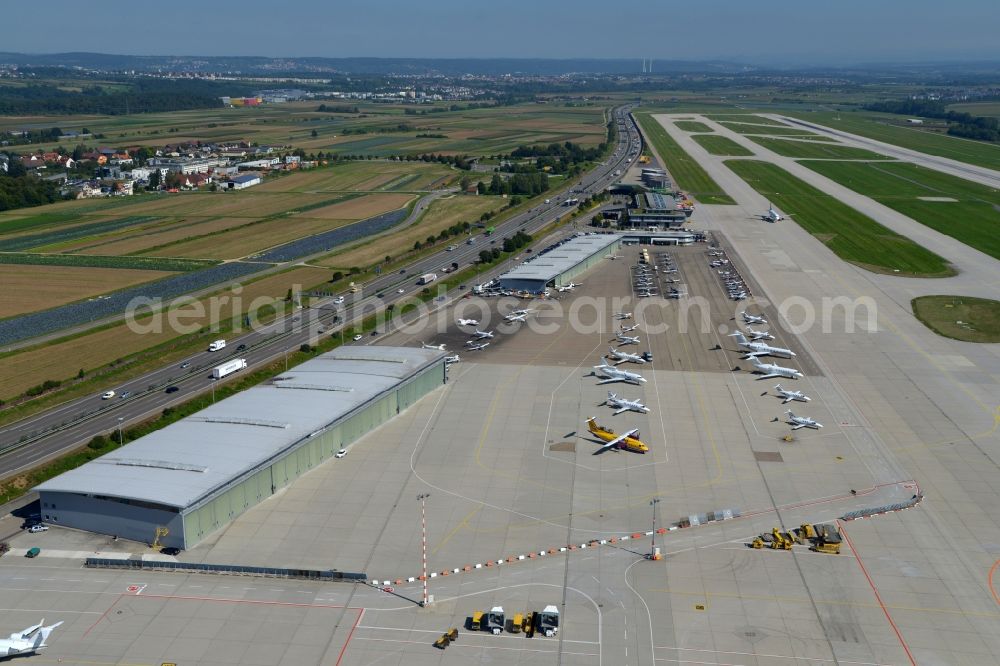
561,264
197,475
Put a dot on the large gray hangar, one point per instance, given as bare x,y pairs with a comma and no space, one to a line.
195,476
561,264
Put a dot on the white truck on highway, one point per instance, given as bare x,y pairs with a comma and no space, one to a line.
228,368
216,345
427,278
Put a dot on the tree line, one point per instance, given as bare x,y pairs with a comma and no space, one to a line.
144,96
19,190
961,124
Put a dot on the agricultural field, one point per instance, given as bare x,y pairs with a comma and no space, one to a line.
721,145
686,172
692,126
440,215
253,238
816,150
783,130
850,235
977,108
887,128
959,317
364,176
962,209
92,351
31,288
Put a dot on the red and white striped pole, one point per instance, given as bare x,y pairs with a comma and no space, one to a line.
423,530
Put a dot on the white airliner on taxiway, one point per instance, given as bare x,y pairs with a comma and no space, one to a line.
802,421
28,641
624,405
759,348
772,215
769,370
613,374
788,396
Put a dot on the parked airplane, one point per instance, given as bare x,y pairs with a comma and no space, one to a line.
802,421
627,339
759,335
515,317
613,374
481,335
623,315
790,395
439,347
624,405
752,319
627,329
468,322
624,357
477,346
772,370
629,441
28,641
759,348
569,287
520,313
772,215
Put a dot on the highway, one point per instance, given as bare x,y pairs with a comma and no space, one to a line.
44,436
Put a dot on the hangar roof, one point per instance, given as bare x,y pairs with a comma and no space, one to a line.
192,458
549,265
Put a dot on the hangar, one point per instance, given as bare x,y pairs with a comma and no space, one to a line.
558,265
195,476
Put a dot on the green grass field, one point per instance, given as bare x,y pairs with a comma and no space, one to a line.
743,118
959,317
850,235
721,145
816,150
973,218
692,126
767,129
687,173
883,127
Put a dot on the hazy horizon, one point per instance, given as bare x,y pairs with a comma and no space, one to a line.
768,32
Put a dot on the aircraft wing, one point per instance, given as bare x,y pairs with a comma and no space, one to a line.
768,376
756,354
787,400
609,380
618,439
798,425
623,409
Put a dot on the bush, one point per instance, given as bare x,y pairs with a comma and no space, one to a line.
305,348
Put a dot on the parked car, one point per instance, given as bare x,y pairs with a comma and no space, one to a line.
357,337
170,550
34,529
340,454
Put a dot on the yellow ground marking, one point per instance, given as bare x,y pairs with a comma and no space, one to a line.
462,524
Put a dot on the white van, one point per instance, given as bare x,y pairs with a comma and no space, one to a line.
217,345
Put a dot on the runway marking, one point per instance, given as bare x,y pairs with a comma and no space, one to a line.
878,597
349,636
760,654
49,610
649,616
463,523
989,579
480,647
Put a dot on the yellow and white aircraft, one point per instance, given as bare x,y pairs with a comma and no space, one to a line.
629,441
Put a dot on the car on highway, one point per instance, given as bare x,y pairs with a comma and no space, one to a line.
357,337
402,270
241,348
340,454
380,295
171,389
34,529
33,552
400,290
125,394
107,395
339,300
185,365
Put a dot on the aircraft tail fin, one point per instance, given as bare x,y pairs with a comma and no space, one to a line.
43,635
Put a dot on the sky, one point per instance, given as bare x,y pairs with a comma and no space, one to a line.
770,32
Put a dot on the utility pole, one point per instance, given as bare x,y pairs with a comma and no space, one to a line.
120,437
422,498
652,545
